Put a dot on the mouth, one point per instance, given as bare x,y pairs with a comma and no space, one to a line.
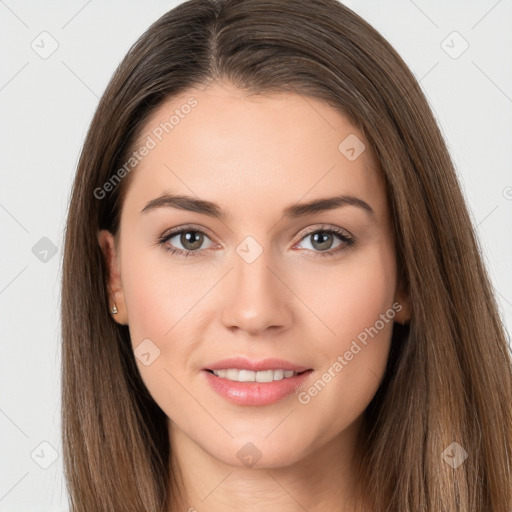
242,375
255,388
249,382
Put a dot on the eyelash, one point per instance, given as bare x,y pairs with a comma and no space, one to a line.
347,241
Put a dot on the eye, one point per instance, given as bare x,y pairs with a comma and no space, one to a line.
190,239
322,239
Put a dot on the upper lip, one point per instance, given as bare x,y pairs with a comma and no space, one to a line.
243,363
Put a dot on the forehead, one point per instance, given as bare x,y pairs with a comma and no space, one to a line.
218,141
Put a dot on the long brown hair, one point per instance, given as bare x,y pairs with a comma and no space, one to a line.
449,374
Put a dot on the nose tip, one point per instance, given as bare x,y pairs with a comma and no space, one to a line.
254,299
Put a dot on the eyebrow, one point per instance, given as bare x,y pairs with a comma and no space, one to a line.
294,211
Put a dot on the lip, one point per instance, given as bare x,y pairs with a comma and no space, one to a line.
243,363
255,393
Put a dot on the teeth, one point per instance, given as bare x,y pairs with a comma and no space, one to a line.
250,376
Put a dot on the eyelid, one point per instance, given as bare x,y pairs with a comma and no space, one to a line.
191,227
324,227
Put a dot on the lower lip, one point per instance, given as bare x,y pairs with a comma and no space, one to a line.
255,393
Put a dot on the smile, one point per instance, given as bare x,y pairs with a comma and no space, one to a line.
250,376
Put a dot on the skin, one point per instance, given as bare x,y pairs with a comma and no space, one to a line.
255,156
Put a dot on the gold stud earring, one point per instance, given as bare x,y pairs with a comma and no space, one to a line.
114,309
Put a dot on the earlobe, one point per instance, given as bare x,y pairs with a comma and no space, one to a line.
117,307
403,309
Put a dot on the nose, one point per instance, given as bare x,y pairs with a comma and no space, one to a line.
255,297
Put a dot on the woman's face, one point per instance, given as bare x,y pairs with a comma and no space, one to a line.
268,280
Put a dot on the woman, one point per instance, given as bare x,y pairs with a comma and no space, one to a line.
273,297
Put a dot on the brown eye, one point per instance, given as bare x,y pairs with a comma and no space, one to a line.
186,241
323,240
191,240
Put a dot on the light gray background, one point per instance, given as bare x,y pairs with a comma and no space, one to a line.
47,104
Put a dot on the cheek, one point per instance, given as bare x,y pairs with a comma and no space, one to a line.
357,306
351,297
166,314
163,302
160,297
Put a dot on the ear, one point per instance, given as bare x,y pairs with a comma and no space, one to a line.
403,312
114,285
